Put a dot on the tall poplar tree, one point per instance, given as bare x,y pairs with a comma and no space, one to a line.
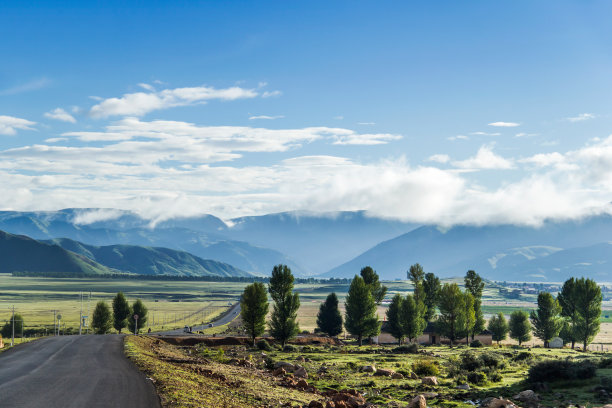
431,289
568,300
416,276
360,319
329,319
253,309
520,328
395,327
121,311
545,319
475,285
370,277
283,325
499,327
451,308
412,317
589,310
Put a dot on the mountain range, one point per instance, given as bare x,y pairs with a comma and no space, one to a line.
325,245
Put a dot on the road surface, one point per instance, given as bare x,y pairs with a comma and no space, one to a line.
73,372
227,317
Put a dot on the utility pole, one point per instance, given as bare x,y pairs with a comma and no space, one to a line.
88,310
54,322
13,337
81,315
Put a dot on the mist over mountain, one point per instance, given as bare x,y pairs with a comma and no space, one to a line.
553,251
337,244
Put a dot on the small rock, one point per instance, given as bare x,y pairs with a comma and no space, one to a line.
384,372
418,402
429,381
369,369
322,370
300,359
463,387
397,376
413,376
528,397
497,403
284,364
301,372
279,372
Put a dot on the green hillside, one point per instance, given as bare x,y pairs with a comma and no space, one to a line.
149,260
19,253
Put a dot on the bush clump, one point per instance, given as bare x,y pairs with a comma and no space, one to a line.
605,362
263,345
476,343
411,348
289,349
477,377
424,368
552,370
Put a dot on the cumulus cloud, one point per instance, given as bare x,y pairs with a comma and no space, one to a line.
504,124
61,115
141,103
349,137
484,159
457,137
10,124
581,117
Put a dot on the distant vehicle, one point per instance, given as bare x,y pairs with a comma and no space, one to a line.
186,329
210,325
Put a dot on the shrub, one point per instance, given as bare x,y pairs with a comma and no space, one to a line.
289,349
405,373
411,348
351,365
523,356
552,370
492,360
476,343
494,376
605,362
470,361
477,377
269,363
264,345
425,368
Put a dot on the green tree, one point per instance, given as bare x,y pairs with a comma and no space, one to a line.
499,327
102,318
546,320
329,319
121,311
283,324
589,310
360,319
416,276
520,328
396,329
412,317
566,333
451,308
370,277
467,319
475,285
431,288
568,300
138,308
253,309
7,329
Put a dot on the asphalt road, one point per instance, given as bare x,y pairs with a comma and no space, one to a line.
73,371
226,318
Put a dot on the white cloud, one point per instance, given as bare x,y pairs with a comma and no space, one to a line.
60,114
266,117
523,134
352,138
581,117
439,158
141,103
9,125
458,137
270,94
504,124
338,117
366,123
147,87
86,217
33,85
484,159
485,134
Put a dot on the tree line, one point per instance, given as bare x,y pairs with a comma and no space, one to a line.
122,315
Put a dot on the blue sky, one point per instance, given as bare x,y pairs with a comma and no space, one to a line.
445,112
